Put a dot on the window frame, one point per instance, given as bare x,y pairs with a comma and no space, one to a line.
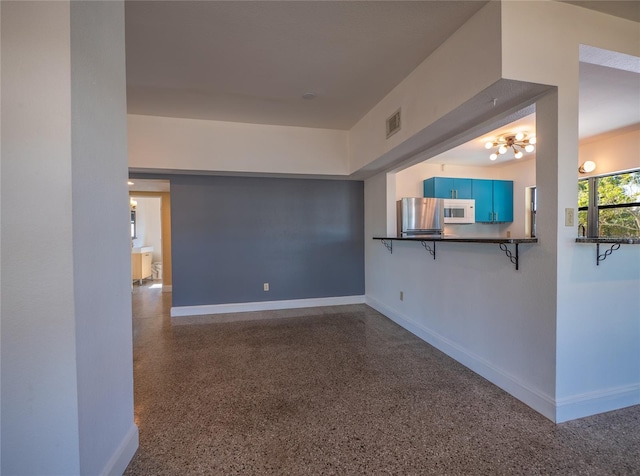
593,207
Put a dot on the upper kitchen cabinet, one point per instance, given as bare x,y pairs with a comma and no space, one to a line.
494,200
446,187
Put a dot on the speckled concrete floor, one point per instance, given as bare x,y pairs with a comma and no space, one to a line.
341,391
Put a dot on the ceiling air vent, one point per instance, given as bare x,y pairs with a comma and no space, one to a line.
393,123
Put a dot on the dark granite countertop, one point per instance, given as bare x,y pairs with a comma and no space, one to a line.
457,239
624,241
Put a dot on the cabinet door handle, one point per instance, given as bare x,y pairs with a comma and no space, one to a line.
496,216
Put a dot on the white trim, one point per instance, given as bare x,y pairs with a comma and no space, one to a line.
123,454
600,401
264,305
167,288
536,399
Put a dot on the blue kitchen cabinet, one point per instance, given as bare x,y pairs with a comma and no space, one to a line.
494,200
483,195
447,187
503,200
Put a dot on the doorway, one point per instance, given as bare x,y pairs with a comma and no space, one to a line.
150,204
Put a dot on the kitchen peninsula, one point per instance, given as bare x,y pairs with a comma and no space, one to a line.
387,241
613,242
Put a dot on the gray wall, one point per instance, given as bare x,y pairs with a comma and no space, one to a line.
232,234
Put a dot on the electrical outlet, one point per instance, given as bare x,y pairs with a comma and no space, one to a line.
266,286
402,295
569,216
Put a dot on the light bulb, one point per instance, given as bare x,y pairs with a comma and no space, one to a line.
519,136
588,166
532,140
502,149
493,156
529,148
518,155
488,145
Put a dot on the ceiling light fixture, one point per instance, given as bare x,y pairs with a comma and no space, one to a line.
309,96
129,182
587,167
518,142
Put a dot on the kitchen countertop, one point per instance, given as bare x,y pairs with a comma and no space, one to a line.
513,256
623,241
458,239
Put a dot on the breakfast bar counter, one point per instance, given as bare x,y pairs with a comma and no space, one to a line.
613,242
429,243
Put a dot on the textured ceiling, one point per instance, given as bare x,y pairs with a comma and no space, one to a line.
245,61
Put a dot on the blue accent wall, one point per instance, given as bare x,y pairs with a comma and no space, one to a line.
229,235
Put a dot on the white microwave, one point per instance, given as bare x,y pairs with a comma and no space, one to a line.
459,210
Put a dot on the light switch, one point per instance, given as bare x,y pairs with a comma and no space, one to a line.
569,216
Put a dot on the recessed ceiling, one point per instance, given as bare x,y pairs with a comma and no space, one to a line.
252,61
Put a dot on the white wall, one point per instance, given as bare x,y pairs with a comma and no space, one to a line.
67,390
149,225
540,332
598,366
39,381
470,302
198,145
612,153
101,244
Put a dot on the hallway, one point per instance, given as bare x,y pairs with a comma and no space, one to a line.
340,390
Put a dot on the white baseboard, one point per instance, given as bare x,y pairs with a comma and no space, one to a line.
587,404
537,400
123,454
167,288
264,306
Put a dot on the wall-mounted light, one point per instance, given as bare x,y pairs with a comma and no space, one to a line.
517,142
133,204
587,167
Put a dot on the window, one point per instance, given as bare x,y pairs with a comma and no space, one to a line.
133,224
609,206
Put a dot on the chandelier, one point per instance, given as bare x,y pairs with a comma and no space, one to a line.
518,142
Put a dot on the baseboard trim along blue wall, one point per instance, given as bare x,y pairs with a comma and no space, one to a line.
183,311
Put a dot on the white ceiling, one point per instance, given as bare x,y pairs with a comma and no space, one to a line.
246,61
251,61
